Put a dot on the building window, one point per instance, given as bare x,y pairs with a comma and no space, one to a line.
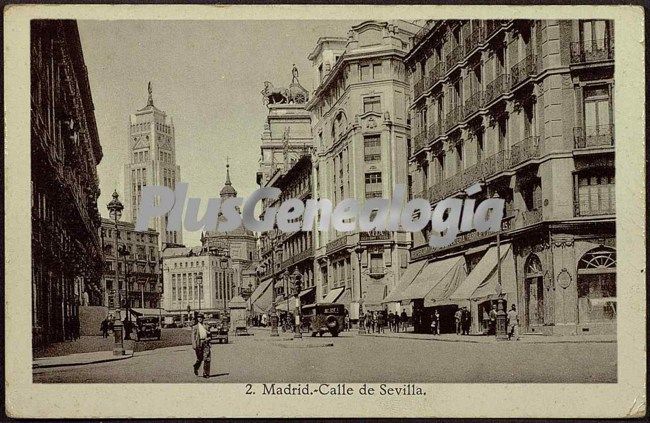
372,148
372,104
376,263
595,193
365,73
373,184
597,115
594,35
597,286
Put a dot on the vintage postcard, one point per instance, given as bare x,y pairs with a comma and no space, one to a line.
301,211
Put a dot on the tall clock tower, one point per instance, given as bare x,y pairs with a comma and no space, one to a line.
152,161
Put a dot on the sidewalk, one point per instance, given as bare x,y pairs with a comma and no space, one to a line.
482,339
79,359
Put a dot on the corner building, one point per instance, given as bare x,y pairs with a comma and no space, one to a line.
65,151
361,130
525,108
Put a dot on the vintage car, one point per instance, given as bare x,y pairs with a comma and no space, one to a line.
324,317
148,327
218,330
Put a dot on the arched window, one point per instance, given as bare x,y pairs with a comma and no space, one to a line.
597,285
534,290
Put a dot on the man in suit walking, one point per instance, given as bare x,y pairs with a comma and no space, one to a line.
201,345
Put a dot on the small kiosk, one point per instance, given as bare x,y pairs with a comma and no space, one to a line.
238,315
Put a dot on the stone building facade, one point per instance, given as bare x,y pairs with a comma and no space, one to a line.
152,161
361,130
525,107
65,152
139,264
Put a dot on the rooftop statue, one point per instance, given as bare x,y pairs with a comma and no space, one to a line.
274,95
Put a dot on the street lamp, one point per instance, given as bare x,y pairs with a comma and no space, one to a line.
274,314
115,211
501,329
297,278
199,282
358,249
124,251
285,278
259,271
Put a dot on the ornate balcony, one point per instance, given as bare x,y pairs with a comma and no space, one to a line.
455,56
420,87
499,86
492,26
592,50
436,74
523,70
593,136
435,130
337,244
453,117
419,141
419,36
524,150
374,236
474,39
473,103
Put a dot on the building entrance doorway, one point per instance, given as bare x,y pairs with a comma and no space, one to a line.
534,291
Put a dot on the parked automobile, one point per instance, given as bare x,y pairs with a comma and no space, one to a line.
218,330
148,327
324,317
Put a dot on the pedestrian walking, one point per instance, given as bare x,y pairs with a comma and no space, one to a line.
513,323
458,316
435,323
466,320
104,328
201,345
381,322
403,318
493,320
368,322
347,322
362,321
391,321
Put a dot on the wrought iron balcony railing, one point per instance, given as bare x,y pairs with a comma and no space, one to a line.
418,88
492,26
453,117
499,86
437,74
473,103
524,150
435,130
592,50
593,136
419,36
455,56
474,39
523,70
419,141
337,244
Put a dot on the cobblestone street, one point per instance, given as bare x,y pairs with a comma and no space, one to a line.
354,358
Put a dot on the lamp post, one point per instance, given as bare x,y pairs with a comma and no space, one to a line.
274,314
124,252
115,211
285,278
259,271
199,282
501,329
358,249
297,281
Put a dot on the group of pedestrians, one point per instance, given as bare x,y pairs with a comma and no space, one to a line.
376,321
463,320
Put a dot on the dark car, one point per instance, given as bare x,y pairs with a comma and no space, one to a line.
148,327
218,330
324,317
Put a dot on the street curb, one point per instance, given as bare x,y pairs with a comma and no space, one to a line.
36,366
329,344
593,341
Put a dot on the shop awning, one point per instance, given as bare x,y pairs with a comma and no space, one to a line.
261,297
440,293
407,278
333,295
434,273
374,297
307,291
482,280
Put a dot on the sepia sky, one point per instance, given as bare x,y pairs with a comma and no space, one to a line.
207,75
